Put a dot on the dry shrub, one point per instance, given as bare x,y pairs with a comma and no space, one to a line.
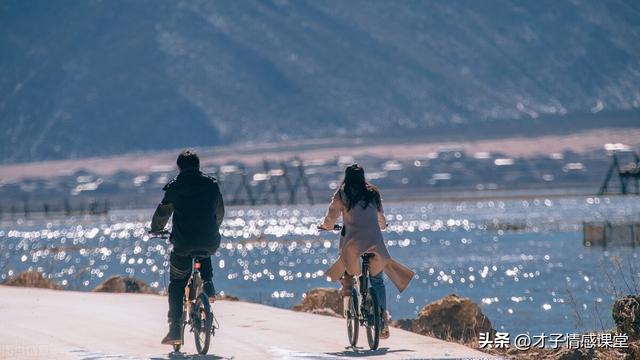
32,279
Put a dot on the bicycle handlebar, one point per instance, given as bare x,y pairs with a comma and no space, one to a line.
336,227
162,234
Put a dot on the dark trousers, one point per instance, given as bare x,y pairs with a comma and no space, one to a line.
178,278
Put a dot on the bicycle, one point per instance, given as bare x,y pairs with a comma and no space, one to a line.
362,308
196,310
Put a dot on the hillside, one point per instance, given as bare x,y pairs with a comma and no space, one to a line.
89,78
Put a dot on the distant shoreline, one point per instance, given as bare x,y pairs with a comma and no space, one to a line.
391,197
579,142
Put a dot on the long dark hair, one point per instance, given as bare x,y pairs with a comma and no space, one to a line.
357,189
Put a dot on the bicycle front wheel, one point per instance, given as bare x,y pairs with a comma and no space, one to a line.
374,319
202,322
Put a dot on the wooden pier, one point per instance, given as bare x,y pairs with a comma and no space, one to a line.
611,234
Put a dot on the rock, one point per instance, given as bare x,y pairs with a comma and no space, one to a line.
226,297
122,284
327,312
32,279
404,324
573,354
626,315
634,350
323,301
450,318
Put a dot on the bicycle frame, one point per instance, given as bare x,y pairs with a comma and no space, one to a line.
356,306
196,279
195,304
363,287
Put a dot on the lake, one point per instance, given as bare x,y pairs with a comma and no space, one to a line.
522,261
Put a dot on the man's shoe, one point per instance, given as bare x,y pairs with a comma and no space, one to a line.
209,289
174,337
386,319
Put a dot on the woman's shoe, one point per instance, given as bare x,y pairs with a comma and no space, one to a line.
386,319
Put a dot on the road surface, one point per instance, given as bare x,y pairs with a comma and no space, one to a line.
49,324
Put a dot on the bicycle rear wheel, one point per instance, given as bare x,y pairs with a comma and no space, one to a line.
351,314
374,319
202,322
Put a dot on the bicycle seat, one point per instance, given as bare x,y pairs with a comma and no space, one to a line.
367,255
200,254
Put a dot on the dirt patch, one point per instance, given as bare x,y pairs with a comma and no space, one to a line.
227,297
626,314
323,301
450,318
32,279
122,284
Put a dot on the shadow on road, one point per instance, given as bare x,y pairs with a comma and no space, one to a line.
354,351
184,356
84,354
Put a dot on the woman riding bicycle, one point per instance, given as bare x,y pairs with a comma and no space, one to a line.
360,205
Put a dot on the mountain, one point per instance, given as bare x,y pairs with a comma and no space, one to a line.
82,78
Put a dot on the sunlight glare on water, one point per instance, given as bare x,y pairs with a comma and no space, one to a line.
521,260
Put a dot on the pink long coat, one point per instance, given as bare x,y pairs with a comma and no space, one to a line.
363,235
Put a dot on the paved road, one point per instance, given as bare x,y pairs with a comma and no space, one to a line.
48,324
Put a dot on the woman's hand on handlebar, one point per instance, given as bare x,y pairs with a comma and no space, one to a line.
336,227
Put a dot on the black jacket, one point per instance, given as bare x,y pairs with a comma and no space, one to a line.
196,203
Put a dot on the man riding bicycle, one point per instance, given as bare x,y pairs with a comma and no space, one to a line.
196,203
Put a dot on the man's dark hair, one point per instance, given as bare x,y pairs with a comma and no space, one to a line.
188,159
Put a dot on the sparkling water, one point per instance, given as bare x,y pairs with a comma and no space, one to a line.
522,261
